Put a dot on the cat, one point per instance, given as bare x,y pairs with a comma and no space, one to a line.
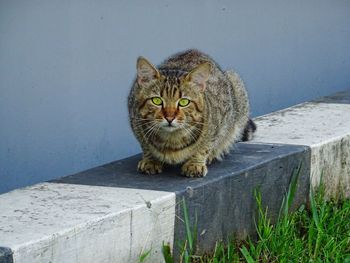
187,111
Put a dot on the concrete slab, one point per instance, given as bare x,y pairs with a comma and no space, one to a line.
77,223
223,200
324,126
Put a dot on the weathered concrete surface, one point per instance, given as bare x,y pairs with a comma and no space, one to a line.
226,207
224,199
76,223
324,126
331,161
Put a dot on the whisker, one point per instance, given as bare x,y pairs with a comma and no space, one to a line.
149,132
193,127
152,133
141,124
189,132
155,131
195,131
151,125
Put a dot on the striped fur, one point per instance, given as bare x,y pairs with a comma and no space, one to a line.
194,135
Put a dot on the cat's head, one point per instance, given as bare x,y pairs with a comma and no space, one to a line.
171,99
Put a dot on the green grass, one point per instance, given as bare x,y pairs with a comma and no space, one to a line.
320,233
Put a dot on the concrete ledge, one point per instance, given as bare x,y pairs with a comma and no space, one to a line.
223,201
75,223
324,126
113,214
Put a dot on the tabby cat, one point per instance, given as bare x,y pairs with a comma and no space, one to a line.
187,111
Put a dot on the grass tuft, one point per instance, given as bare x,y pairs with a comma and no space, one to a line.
144,256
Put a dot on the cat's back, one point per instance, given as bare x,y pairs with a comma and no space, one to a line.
187,60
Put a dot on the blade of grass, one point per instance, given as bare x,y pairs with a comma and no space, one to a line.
292,189
144,255
187,225
195,234
289,197
186,257
314,210
247,255
166,250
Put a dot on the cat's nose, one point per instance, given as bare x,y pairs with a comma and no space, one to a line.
169,119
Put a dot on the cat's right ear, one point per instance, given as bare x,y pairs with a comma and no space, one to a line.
146,72
199,75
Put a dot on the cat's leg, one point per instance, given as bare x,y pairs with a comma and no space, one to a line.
196,165
149,165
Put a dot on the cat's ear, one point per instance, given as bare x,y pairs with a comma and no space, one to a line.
146,72
199,75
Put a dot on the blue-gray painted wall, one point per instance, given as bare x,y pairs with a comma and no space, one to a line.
66,68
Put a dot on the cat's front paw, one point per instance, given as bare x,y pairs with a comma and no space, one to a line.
194,169
148,166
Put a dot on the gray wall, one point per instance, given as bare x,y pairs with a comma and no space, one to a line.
66,68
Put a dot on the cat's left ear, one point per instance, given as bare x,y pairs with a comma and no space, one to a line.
199,75
146,72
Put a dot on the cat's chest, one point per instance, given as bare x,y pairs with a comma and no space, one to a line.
172,142
171,155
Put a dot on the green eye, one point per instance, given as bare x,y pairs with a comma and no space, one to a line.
184,102
157,101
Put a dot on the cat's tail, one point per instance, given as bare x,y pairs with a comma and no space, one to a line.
249,130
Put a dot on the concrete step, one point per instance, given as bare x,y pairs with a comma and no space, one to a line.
324,126
52,222
113,214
